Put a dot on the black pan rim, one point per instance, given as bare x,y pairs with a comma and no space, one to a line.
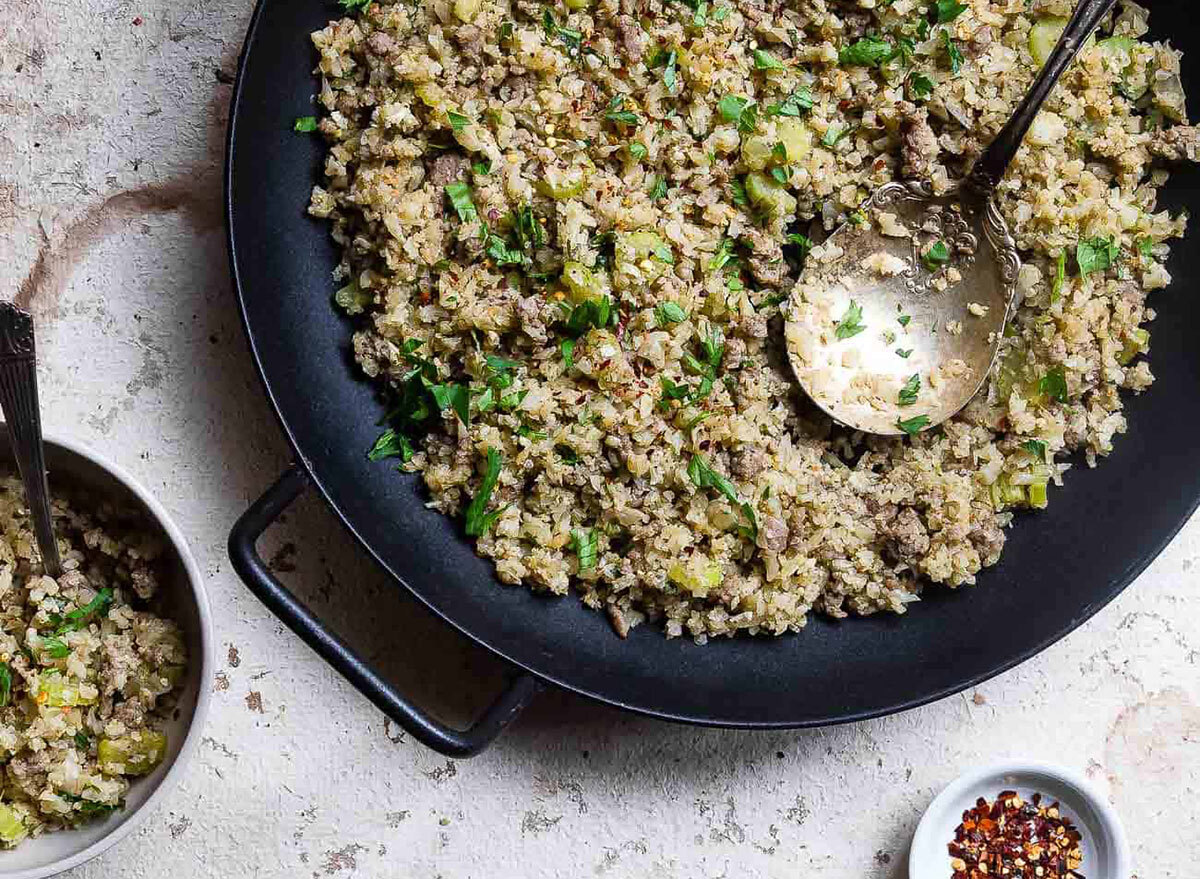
1116,586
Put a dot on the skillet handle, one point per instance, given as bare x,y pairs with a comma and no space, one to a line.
344,659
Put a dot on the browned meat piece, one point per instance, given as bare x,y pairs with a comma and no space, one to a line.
447,168
631,37
381,43
773,534
906,536
989,541
766,258
747,462
919,146
1178,144
470,38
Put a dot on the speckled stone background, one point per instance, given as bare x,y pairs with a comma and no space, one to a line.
112,115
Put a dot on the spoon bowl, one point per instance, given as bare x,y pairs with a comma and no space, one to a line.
896,319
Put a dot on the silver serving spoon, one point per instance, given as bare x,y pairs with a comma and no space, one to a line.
19,400
896,319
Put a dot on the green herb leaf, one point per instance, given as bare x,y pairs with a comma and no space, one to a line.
669,313
82,741
483,167
904,353
953,53
1096,255
904,320
477,519
663,253
588,314
737,192
81,616
55,648
797,103
803,242
659,189
867,52
458,121
922,86
637,151
571,38
584,542
391,445
721,13
703,476
567,348
1035,447
1145,247
851,323
766,61
459,194
740,111
834,134
1054,385
908,394
6,682
937,256
354,5
305,124
723,256
782,174
615,112
948,10
913,426
453,396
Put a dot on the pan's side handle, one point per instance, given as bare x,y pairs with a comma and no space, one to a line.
254,572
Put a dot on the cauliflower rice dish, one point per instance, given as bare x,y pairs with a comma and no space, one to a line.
86,675
568,230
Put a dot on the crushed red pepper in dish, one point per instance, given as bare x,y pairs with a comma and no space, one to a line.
1015,839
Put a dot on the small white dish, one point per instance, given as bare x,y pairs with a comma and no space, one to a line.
1105,848
70,464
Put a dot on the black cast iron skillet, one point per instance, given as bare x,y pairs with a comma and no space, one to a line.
1060,567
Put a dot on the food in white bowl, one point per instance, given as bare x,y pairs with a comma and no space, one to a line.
87,669
150,641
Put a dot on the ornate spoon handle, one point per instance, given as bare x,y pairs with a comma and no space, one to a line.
19,400
990,168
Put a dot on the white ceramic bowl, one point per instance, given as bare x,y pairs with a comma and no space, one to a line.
70,464
1105,849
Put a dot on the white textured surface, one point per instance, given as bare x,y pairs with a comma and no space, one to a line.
110,148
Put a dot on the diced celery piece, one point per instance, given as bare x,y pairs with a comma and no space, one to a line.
756,152
465,10
1137,343
559,185
59,691
769,195
697,578
640,258
578,4
133,754
795,137
580,282
1044,36
12,828
1037,496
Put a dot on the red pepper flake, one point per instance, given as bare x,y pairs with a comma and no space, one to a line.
1010,838
137,22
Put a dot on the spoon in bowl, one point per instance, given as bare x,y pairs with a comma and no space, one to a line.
897,317
19,400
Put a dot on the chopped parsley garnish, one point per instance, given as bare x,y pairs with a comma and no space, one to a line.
568,454
663,253
459,194
922,86
391,444
948,10
1037,448
569,37
937,256
723,256
904,353
904,320
703,476
851,323
483,167
669,313
567,349
89,808
75,620
834,134
458,121
908,394
1054,385
953,53
797,103
737,192
712,349
615,113
721,13
782,173
6,682
659,189
638,151
55,648
867,52
453,396
1145,247
913,426
803,242
354,5
479,521
1096,255
766,61
583,541
672,391
668,60
82,741
1060,276
305,123
740,111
